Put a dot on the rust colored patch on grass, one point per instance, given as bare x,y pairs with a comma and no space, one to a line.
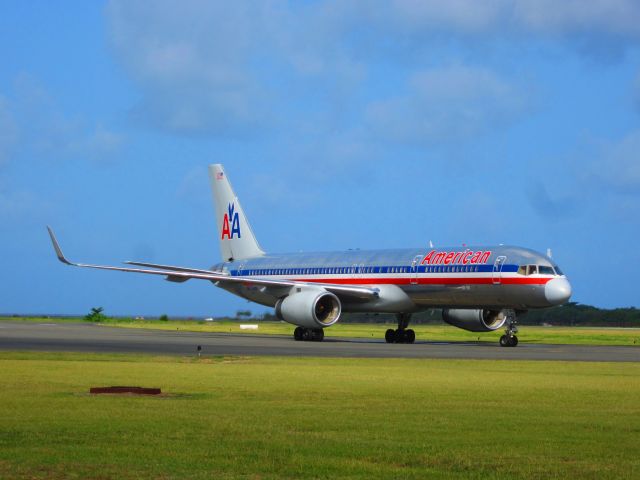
123,390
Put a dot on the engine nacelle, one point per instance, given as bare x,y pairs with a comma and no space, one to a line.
474,320
310,308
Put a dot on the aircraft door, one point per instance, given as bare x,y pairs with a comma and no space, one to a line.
497,269
413,279
354,269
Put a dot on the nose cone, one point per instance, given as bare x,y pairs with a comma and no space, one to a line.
557,291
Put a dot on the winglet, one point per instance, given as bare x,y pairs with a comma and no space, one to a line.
57,248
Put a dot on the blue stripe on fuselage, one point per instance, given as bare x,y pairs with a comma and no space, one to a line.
369,269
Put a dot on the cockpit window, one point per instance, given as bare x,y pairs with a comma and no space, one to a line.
541,269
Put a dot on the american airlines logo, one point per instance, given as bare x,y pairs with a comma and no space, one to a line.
450,258
232,218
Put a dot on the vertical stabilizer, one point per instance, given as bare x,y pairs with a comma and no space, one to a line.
234,232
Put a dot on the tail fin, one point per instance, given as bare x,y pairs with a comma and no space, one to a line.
234,232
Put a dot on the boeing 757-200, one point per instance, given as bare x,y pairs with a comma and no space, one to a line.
480,288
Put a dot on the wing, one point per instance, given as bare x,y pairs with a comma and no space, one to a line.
182,274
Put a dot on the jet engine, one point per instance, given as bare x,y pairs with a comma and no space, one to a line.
474,320
312,308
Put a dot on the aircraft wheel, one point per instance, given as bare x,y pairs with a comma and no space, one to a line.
410,336
390,336
401,336
317,335
504,341
298,334
514,341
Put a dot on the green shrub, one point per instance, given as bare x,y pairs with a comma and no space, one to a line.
95,315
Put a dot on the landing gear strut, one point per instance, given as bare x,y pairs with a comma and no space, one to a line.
509,338
302,334
401,334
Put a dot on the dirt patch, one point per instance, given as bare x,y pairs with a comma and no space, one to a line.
123,390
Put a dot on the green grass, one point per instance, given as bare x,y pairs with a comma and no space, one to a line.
439,332
267,417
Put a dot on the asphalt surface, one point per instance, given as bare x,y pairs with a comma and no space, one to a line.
61,337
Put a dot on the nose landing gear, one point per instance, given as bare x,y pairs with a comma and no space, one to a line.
402,334
509,338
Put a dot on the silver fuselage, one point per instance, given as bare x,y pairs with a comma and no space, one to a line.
493,277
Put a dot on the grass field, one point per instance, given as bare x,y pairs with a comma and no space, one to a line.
263,418
439,332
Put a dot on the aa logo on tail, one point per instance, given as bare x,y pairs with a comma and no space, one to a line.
231,216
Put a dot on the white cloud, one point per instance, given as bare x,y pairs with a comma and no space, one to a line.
219,68
610,17
238,68
447,104
541,17
192,61
97,143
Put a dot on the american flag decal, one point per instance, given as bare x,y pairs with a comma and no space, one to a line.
219,175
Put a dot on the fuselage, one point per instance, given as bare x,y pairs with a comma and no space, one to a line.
453,277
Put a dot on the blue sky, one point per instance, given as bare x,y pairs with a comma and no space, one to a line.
344,124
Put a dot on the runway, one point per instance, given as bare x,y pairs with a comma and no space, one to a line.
61,337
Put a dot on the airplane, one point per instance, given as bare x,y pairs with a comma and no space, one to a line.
478,288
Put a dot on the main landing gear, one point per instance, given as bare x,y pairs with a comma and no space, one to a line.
509,338
302,334
401,334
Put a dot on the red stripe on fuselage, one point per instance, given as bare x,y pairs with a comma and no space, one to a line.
426,281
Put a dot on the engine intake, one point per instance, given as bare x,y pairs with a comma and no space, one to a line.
314,308
474,320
